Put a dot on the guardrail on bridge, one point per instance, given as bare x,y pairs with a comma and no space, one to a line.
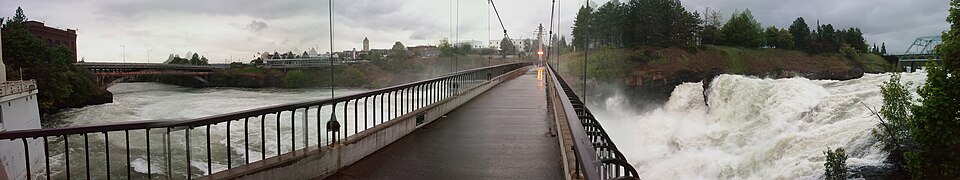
185,149
596,156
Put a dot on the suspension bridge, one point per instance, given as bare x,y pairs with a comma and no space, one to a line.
510,121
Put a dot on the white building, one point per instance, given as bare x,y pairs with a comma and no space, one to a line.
473,43
18,111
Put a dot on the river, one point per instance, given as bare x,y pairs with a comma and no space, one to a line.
154,101
754,128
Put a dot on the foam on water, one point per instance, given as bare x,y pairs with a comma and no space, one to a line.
753,129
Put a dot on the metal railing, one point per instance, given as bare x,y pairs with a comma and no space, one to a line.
17,87
184,149
597,157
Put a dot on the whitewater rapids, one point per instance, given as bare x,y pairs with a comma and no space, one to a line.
754,128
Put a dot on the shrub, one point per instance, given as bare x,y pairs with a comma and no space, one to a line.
836,165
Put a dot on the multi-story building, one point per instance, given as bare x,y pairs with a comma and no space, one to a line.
424,50
54,37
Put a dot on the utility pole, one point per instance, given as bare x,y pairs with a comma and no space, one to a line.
148,55
123,55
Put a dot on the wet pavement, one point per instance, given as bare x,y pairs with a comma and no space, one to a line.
502,134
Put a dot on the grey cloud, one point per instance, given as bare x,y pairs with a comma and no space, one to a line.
256,26
896,22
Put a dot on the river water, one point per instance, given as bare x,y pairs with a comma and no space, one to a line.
154,101
754,128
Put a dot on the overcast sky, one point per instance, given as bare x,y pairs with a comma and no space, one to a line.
238,29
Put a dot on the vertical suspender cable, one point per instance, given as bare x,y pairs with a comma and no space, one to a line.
559,32
331,51
455,57
586,51
553,7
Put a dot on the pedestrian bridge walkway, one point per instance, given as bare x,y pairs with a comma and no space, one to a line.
505,133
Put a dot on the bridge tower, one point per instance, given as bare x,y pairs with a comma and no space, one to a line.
540,43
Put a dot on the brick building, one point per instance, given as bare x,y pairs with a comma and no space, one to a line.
54,36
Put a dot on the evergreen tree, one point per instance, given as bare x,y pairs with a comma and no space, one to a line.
883,48
801,33
608,26
580,25
711,27
195,59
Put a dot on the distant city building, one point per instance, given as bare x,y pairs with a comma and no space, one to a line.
300,63
54,37
518,43
366,44
472,43
424,50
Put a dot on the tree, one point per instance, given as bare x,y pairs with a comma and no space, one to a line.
836,165
785,40
825,40
770,37
663,23
711,27
195,59
580,25
563,43
607,24
883,48
257,61
742,30
446,49
854,37
801,33
507,47
61,84
937,119
19,17
893,131
399,51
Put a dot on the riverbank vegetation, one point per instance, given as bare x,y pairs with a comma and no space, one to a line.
61,85
925,131
378,73
651,46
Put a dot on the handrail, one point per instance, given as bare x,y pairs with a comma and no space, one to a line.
354,113
594,151
17,87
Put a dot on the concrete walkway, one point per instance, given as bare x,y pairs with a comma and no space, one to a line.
504,133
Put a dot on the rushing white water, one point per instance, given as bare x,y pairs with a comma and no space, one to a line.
753,129
153,101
